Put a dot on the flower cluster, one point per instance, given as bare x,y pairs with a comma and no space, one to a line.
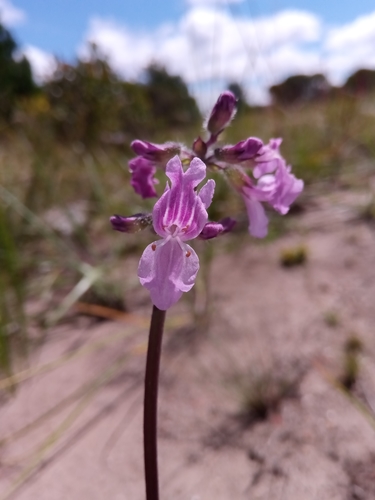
258,172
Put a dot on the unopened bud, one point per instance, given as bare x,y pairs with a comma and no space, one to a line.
200,148
222,113
157,153
242,151
214,229
132,224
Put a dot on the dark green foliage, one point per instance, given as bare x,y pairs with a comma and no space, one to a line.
135,112
300,88
361,82
171,102
12,319
15,75
82,99
89,102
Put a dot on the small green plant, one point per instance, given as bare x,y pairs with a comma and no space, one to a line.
294,256
368,212
351,365
331,318
261,394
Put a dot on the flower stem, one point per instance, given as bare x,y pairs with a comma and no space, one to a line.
151,403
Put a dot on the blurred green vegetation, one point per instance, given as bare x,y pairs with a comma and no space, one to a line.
15,75
64,151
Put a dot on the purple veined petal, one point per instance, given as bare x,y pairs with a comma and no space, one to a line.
174,170
162,207
207,193
180,206
258,221
195,173
167,269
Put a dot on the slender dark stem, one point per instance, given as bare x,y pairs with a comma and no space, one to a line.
151,404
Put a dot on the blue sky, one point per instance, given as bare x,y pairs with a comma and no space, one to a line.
58,26
208,42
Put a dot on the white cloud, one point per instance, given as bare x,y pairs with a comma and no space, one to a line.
42,63
209,47
209,44
11,15
350,47
354,34
127,52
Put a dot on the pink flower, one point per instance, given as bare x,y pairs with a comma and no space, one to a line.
142,180
168,267
268,158
279,190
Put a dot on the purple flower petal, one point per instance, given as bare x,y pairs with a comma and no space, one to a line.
167,269
180,207
287,188
142,180
268,159
258,221
207,192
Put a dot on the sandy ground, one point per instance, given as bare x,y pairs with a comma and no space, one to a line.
268,323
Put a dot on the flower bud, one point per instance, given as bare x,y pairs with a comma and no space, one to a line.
222,113
214,229
157,153
200,148
131,224
242,151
